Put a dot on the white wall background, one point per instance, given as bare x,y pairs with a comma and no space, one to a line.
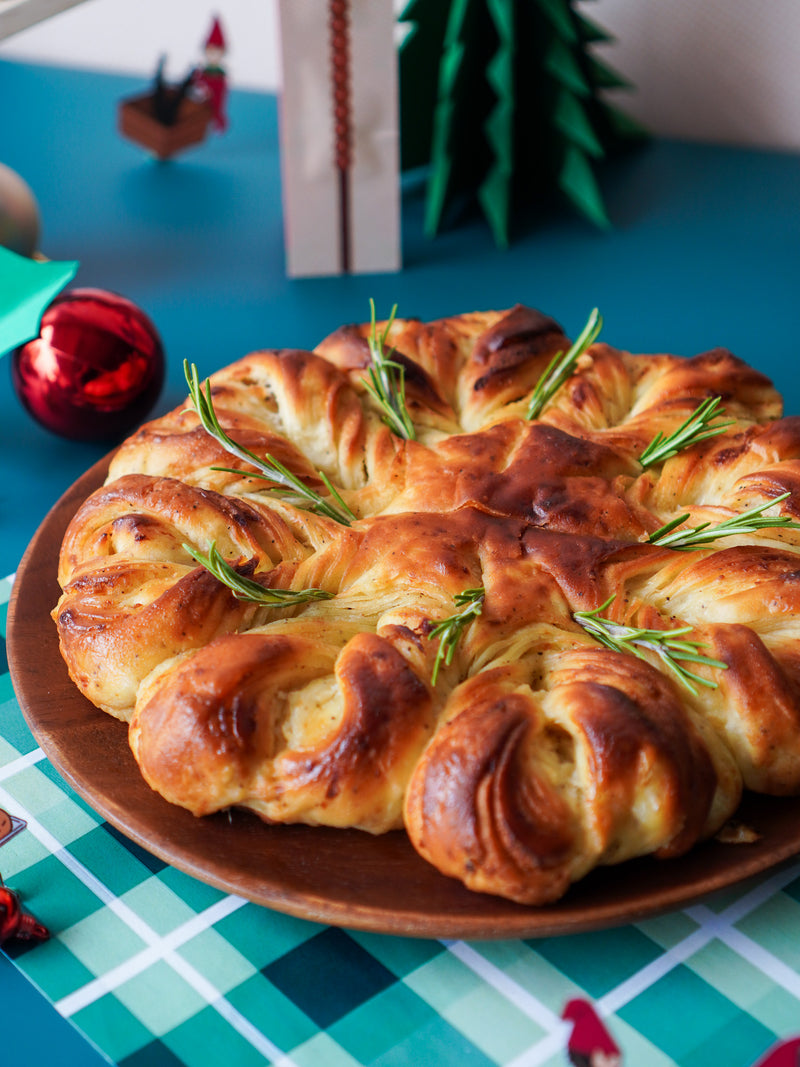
714,70
717,70
128,36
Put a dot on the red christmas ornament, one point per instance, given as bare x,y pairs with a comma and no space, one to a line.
96,368
15,924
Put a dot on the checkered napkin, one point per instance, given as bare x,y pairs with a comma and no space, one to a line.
157,969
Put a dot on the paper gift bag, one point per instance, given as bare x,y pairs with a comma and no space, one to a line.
339,136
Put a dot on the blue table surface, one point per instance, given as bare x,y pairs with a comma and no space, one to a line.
703,252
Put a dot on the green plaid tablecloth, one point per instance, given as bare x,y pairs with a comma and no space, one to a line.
155,968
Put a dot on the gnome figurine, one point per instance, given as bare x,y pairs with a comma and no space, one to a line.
211,80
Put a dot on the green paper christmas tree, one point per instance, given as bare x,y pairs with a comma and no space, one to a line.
503,101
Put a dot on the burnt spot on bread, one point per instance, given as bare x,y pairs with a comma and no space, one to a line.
581,393
396,633
547,450
137,528
521,336
235,721
521,326
717,359
351,346
420,387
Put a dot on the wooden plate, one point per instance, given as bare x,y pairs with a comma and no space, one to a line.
345,878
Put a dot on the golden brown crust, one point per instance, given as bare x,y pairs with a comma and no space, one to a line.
228,726
115,627
526,787
538,753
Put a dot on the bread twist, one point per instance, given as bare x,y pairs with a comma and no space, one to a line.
538,753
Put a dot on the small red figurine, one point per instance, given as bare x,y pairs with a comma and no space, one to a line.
590,1044
784,1054
14,922
211,80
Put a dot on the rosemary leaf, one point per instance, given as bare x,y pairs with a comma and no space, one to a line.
246,589
693,430
699,536
666,644
449,630
562,366
386,383
288,485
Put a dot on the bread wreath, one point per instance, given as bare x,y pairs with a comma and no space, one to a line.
538,753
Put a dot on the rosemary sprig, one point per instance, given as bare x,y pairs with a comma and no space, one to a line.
269,468
449,630
695,429
667,644
562,365
747,522
246,589
386,383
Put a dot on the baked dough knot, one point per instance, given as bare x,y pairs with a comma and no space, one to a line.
538,753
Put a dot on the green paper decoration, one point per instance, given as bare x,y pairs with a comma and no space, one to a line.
420,52
27,286
502,100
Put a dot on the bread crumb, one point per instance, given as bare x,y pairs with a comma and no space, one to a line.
737,833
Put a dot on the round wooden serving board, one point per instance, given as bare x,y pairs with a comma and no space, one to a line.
341,877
